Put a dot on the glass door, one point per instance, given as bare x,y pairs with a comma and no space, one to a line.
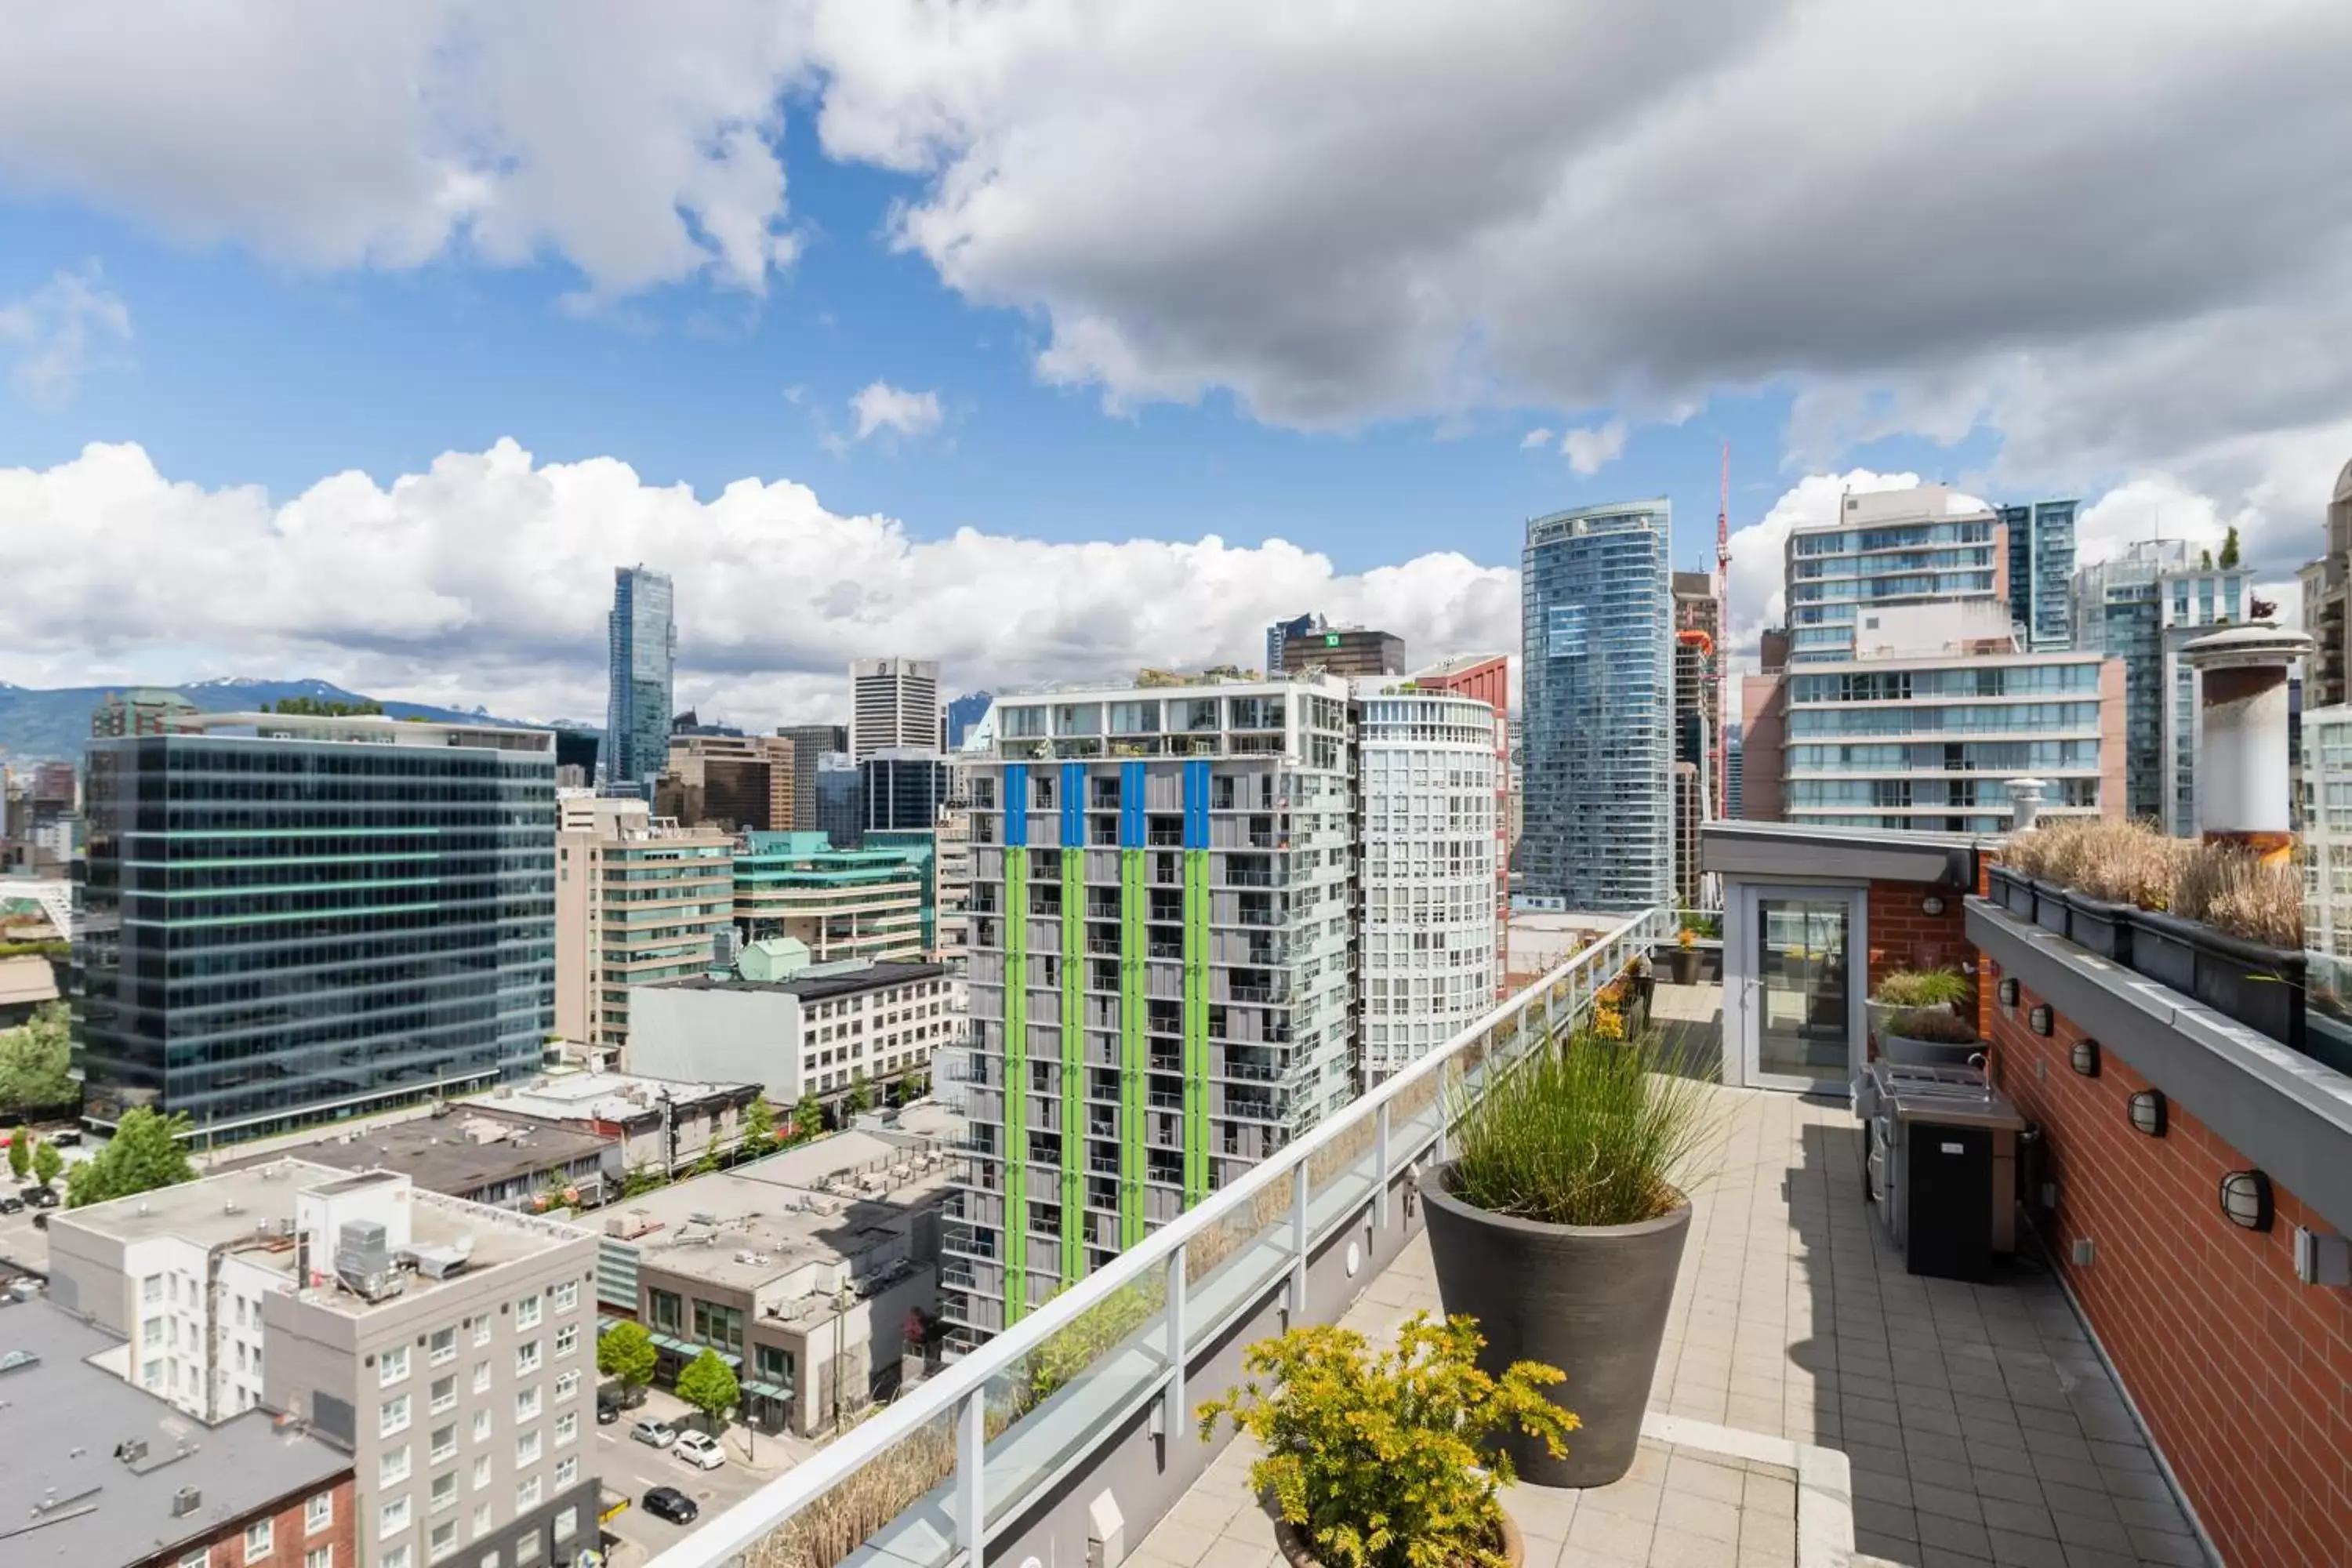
1804,1010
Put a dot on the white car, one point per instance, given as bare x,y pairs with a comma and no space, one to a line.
700,1450
659,1434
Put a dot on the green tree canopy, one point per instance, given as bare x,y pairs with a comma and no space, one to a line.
20,1153
47,1163
808,1119
759,1126
625,1353
2229,547
144,1154
861,1093
325,707
34,1059
709,1384
642,1179
709,1161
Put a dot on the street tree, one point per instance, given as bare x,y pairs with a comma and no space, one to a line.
144,1154
759,1127
20,1152
46,1162
625,1354
36,1059
709,1384
808,1119
861,1093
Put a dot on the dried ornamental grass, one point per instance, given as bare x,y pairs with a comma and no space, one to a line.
2238,892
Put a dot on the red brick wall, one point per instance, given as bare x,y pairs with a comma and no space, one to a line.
2243,1374
288,1545
1902,936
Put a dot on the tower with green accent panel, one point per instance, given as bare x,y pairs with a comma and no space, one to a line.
1161,965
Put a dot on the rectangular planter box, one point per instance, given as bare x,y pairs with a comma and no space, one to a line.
2261,987
2051,912
2105,928
2012,891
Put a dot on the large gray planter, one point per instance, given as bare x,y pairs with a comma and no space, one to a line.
1588,1300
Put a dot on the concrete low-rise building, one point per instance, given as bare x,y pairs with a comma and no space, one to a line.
449,1346
663,1124
505,1163
139,1485
818,1032
802,1270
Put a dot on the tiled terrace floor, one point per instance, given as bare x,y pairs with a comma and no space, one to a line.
1980,1425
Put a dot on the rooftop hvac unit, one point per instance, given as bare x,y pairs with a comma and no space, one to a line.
364,1261
186,1501
439,1262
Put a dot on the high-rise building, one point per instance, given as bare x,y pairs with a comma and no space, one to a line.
2040,573
142,710
1344,650
841,903
1734,766
408,1327
2326,817
810,742
1598,676
1690,811
1486,678
1428,851
962,714
1160,986
743,783
901,789
2119,611
639,898
1699,695
641,646
1851,583
840,799
1282,632
2324,582
894,702
288,918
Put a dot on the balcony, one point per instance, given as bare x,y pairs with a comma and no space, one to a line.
1813,1399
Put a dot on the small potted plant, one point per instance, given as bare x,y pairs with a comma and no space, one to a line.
1908,989
1928,1036
1683,964
1385,1460
1559,1223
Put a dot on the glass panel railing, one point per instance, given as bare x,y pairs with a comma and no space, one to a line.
896,1511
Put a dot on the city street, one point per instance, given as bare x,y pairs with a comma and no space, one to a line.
633,1468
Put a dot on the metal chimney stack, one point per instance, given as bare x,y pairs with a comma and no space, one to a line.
2242,759
2024,803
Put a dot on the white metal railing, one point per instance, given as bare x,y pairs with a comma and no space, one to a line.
994,1475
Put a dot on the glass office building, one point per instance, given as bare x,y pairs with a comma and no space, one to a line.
641,648
2040,573
1598,680
1851,582
293,920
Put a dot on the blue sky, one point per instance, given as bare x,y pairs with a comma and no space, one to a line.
1182,276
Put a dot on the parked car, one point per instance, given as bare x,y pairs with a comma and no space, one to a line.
699,1449
42,1197
67,1139
669,1503
607,1411
654,1434
12,1204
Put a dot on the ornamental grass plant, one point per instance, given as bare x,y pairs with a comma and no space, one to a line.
2228,887
1936,1025
1596,1132
1921,988
1384,1458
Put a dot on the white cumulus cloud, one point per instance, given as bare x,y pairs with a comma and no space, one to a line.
50,331
1537,437
1591,448
486,578
882,406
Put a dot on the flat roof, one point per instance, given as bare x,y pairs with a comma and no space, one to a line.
779,1212
363,729
243,1205
820,987
601,1096
69,1502
456,1153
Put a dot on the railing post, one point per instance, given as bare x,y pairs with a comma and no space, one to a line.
1380,1166
1175,1343
1298,1243
972,1453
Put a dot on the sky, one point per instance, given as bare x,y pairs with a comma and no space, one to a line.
1050,339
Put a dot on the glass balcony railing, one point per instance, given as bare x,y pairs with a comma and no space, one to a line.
930,1480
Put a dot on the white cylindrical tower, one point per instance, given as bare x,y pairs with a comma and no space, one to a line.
2242,758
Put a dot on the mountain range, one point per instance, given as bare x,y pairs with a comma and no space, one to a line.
37,725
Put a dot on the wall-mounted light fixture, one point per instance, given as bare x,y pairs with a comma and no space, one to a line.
2246,1200
2006,990
2038,1020
2149,1112
2084,1056
1931,905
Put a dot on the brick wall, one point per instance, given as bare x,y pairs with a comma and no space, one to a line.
2243,1374
1902,936
288,1546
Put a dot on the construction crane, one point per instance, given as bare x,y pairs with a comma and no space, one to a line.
1722,782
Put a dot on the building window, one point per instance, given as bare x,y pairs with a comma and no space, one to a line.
150,1290
393,1418
567,1470
444,1394
567,1522
527,1312
392,1366
567,1339
527,1494
481,1472
482,1528
526,1358
392,1518
481,1377
444,1541
567,1385
442,1345
392,1467
445,1443
527,1404
527,1551
482,1329
445,1491
318,1513
481,1426
397,1557
567,1295
320,1557
665,1313
257,1542
527,1449
567,1427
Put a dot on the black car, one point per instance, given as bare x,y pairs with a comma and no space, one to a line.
669,1503
607,1411
12,1204
42,1197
